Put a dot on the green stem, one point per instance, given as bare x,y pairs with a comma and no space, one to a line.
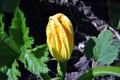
61,69
45,76
100,71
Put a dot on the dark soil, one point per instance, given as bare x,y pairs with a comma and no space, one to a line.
84,14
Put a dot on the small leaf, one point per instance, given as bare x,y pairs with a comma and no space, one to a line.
9,51
19,32
3,69
13,72
103,50
33,64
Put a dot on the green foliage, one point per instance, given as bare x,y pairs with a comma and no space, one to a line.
116,43
118,27
18,45
8,49
114,12
13,72
40,51
4,69
89,48
19,32
35,64
103,51
100,71
8,5
45,76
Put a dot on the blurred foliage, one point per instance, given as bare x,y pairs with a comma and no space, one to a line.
9,5
103,51
118,24
114,12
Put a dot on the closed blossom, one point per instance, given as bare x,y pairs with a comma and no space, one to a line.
60,37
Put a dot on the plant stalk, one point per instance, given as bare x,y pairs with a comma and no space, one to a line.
61,69
100,71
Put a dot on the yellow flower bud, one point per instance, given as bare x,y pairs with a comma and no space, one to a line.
60,37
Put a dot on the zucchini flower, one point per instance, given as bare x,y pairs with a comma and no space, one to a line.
60,37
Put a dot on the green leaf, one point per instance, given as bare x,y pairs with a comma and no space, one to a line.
13,72
103,50
19,32
118,27
116,43
89,48
9,51
114,12
45,76
56,78
41,51
3,69
34,64
9,5
100,71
